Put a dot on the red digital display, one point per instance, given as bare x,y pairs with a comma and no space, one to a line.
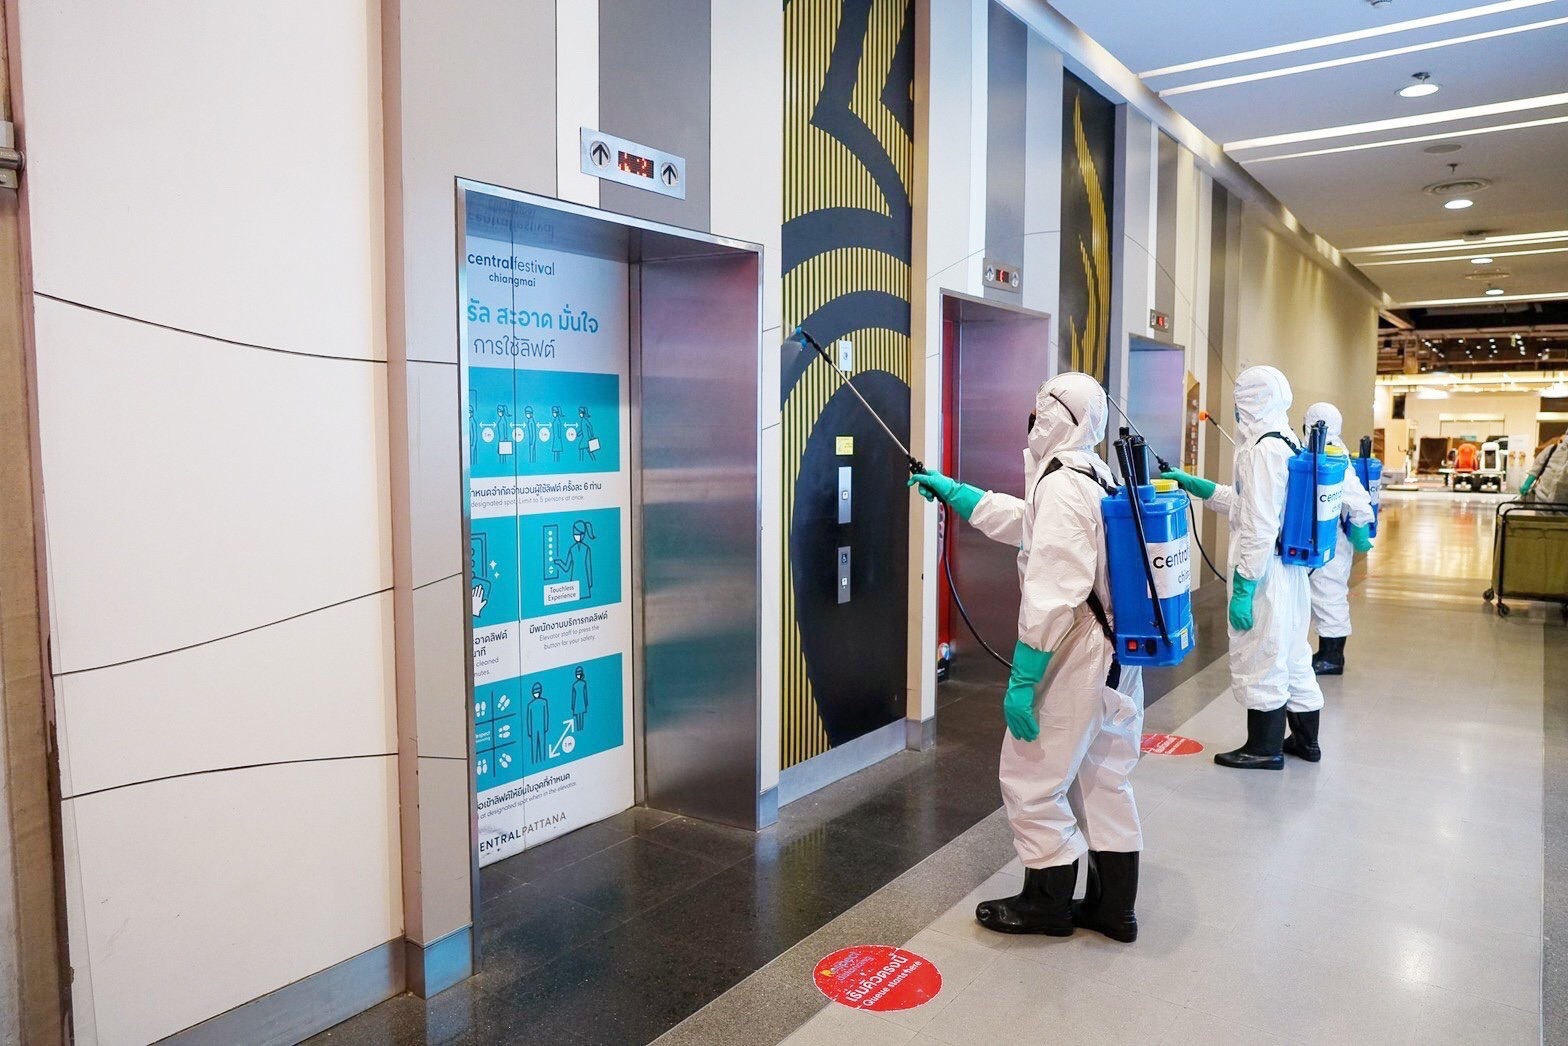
631,163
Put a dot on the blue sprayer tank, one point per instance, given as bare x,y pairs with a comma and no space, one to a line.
1164,554
1313,502
1370,471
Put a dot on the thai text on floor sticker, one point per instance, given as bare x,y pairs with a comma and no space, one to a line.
1170,744
876,977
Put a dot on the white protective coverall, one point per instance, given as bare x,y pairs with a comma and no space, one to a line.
1067,791
1270,664
1330,583
1550,470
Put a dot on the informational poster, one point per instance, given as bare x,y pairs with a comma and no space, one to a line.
549,487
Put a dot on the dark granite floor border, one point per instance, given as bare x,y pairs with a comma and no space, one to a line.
1554,961
781,996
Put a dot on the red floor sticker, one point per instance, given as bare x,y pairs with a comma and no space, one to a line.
876,977
1170,744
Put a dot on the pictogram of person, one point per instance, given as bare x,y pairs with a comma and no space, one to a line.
538,723
579,698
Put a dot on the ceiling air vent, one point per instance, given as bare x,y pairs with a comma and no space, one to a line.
1457,187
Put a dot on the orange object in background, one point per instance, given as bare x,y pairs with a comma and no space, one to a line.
1468,458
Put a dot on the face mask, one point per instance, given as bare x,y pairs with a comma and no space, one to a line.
1052,429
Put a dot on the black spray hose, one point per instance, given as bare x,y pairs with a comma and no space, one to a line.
1192,516
952,588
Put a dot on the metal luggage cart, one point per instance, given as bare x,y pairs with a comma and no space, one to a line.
1530,554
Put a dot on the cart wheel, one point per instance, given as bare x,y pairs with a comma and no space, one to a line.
1502,610
1488,594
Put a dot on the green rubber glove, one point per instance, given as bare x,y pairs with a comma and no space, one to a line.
1241,593
961,496
1361,537
1529,481
1029,667
1197,486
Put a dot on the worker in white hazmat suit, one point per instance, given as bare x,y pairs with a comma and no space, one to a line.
1330,583
1270,656
1074,716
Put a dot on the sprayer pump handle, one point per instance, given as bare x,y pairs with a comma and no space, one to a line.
916,467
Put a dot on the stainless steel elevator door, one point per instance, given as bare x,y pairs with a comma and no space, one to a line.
699,478
1003,354
1157,394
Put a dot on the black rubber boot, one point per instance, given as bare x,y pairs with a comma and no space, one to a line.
1045,905
1303,740
1107,905
1330,660
1264,749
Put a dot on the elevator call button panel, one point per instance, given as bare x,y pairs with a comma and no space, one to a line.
843,574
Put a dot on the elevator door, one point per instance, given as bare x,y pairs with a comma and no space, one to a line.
610,389
1157,394
997,357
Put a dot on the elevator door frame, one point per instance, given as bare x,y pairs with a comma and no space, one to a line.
725,786
1002,457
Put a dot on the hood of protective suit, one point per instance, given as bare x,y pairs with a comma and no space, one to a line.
1069,414
1262,404
1327,412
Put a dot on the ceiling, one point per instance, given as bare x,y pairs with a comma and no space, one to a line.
1369,202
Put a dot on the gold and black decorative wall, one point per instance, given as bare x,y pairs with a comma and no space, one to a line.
848,154
1088,166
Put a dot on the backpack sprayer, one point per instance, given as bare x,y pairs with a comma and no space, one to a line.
1312,500
1370,471
1148,525
1165,466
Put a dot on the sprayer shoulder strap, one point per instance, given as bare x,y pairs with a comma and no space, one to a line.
1093,602
1294,447
1056,464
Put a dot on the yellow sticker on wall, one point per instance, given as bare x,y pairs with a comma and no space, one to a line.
844,444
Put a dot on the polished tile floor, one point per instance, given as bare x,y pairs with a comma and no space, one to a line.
619,931
1392,893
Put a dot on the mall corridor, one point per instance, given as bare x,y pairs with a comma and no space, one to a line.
603,522
1392,893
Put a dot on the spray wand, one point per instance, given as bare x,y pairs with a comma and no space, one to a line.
1204,415
915,465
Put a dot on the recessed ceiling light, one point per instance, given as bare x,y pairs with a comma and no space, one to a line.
1493,292
1459,204
1480,261
1422,87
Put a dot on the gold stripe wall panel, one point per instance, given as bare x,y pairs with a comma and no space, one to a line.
848,155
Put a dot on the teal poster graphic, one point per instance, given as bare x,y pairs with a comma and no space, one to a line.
570,560
492,571
542,423
547,719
